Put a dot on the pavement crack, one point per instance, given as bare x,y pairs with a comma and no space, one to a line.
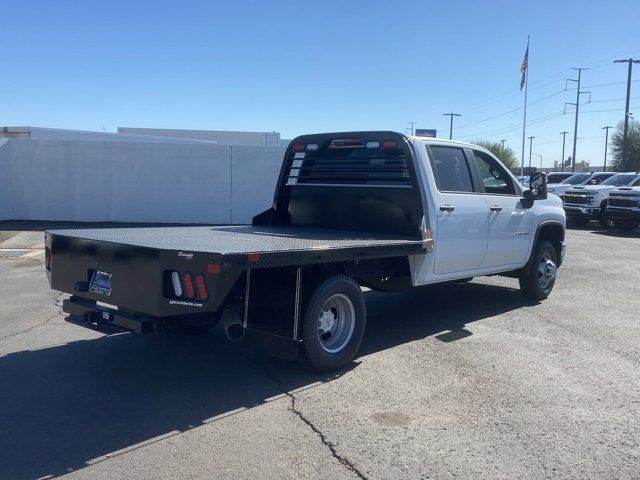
57,302
292,407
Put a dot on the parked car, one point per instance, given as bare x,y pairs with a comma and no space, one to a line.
585,203
623,208
579,179
374,209
557,177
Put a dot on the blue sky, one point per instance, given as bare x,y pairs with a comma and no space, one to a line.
301,67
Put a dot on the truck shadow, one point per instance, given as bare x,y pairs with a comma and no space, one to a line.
65,407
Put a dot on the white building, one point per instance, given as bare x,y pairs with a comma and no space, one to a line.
248,139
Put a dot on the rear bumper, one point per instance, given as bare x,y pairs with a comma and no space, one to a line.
589,212
88,313
622,215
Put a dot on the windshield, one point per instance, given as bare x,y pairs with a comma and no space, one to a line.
620,179
598,178
576,179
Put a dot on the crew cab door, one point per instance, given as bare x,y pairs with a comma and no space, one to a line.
510,224
462,222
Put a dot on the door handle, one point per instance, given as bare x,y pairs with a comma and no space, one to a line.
447,208
496,208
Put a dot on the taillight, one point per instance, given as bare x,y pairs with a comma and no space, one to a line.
201,288
188,285
189,291
177,286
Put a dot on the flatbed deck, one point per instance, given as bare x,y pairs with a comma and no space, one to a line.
241,239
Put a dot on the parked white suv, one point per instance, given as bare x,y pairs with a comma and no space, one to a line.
585,203
578,179
623,208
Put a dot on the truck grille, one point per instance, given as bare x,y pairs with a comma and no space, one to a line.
623,202
577,199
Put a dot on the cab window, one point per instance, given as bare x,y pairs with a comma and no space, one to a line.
451,169
493,175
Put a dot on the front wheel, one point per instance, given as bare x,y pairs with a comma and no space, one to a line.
333,325
603,220
540,278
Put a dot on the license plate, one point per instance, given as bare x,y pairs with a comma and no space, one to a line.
100,283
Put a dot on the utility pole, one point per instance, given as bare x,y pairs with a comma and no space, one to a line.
606,140
577,105
540,159
630,61
412,129
564,137
502,147
530,145
451,124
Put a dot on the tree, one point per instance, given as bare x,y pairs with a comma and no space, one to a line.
632,164
506,154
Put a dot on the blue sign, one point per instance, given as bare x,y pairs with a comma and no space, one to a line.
425,132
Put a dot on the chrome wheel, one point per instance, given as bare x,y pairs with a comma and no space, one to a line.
336,322
546,271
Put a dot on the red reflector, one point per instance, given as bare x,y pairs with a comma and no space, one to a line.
298,147
201,287
253,257
189,291
213,268
389,144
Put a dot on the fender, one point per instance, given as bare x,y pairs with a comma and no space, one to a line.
541,225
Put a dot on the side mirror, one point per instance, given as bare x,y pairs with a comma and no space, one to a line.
537,189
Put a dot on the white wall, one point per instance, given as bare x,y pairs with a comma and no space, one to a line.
5,180
223,137
139,182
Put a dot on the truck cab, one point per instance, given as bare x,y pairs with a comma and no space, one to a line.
589,202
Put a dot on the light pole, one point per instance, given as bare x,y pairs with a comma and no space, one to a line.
630,61
606,140
564,137
540,159
451,123
530,145
412,129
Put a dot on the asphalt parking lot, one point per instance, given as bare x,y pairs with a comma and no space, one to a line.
455,381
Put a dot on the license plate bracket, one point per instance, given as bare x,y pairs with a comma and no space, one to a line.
100,283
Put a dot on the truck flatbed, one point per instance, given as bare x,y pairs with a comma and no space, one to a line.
241,239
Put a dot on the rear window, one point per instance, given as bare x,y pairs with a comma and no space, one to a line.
350,166
620,179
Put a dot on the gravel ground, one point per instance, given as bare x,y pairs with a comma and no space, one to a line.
455,381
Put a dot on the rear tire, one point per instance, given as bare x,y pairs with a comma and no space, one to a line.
195,324
333,325
627,227
538,281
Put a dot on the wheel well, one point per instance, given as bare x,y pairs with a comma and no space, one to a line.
553,233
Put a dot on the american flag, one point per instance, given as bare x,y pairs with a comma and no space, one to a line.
523,68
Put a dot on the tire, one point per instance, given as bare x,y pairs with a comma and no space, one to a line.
602,219
627,227
333,325
538,281
195,324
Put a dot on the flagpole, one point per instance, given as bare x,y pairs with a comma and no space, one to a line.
524,121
